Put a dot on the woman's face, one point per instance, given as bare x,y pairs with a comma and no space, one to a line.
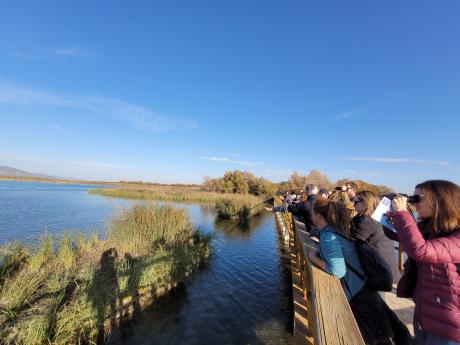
424,209
318,220
360,206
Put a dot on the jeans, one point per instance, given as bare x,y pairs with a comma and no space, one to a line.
427,338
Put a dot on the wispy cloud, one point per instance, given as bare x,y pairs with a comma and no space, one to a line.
348,114
228,160
137,116
59,128
87,164
73,51
54,52
361,173
396,160
276,173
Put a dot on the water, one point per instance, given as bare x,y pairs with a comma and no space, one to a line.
243,296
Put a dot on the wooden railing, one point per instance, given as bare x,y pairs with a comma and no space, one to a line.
330,319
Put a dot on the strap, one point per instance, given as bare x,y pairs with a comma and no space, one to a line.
355,271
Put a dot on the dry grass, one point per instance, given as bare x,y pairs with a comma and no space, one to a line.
68,293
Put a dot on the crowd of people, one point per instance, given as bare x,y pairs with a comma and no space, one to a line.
342,220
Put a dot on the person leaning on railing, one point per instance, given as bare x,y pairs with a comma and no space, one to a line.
302,209
337,255
434,244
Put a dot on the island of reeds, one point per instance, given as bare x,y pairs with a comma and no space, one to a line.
75,289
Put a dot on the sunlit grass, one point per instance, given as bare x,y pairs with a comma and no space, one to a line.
68,293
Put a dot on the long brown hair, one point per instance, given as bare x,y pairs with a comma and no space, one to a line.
370,199
335,213
444,199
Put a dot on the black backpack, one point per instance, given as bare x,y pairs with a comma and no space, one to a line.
378,274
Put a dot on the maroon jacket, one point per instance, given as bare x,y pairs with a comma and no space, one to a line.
437,292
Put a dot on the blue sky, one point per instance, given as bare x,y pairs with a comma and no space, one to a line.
170,91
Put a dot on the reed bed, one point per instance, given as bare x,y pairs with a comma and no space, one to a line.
239,207
168,193
69,292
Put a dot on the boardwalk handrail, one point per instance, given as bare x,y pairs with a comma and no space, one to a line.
330,319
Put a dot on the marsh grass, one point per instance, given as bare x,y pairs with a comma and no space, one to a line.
239,207
68,293
167,193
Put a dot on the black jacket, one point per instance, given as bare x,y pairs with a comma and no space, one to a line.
303,210
369,230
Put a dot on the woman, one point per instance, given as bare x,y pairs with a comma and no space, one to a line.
366,229
337,255
435,246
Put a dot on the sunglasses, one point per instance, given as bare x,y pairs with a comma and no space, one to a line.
357,200
414,199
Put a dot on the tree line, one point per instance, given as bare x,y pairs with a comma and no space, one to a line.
243,182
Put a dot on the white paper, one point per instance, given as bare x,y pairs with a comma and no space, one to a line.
379,213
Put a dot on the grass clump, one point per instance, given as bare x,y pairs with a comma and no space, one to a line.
69,293
140,230
239,207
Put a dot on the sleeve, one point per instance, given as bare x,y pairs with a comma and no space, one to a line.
331,252
279,209
437,250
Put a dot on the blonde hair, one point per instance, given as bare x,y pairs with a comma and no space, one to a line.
370,199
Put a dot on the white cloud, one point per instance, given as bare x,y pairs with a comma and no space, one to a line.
348,114
73,51
361,173
228,160
139,117
49,53
396,160
58,128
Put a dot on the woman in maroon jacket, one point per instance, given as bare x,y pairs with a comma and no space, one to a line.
435,246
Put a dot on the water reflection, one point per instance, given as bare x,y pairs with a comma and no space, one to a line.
240,229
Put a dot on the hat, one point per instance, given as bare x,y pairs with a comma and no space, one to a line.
323,191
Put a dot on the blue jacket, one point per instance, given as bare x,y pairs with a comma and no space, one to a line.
335,250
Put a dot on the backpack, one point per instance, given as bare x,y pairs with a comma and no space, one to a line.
376,269
377,273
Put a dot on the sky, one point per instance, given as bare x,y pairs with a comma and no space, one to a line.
171,91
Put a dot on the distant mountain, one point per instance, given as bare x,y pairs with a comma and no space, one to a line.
8,171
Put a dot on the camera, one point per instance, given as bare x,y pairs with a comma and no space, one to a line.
339,188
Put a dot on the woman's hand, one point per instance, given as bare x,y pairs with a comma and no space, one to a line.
269,209
399,203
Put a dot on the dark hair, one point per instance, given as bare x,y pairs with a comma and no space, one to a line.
352,185
335,213
444,198
370,199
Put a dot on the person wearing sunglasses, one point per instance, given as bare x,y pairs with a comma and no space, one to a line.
434,244
365,229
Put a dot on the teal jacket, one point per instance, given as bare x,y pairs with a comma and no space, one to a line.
335,250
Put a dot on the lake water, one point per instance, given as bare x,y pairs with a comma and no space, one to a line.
243,296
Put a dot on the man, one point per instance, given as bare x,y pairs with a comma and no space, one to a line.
303,209
323,193
347,194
